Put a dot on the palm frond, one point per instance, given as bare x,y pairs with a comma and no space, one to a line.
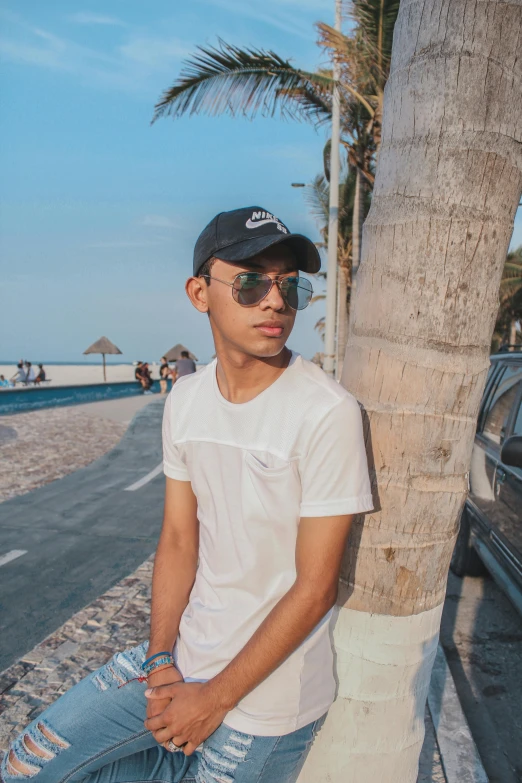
227,79
320,326
317,197
375,21
511,282
327,152
316,106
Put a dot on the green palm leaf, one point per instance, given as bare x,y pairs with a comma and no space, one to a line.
230,80
511,282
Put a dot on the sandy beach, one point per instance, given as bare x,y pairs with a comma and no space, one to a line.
78,374
74,374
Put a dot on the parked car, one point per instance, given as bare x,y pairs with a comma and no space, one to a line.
491,524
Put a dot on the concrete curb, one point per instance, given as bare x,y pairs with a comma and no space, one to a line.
459,754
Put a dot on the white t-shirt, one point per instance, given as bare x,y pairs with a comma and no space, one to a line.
296,450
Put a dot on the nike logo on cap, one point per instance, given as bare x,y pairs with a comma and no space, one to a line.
262,218
250,223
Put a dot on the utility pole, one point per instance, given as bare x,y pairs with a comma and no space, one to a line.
333,221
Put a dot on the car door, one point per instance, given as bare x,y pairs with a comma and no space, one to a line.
508,488
499,401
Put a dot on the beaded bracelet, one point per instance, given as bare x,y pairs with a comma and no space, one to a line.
156,655
150,667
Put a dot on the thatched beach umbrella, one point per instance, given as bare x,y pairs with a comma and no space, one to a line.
103,346
175,353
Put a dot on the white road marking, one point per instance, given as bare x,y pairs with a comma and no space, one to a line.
12,555
145,479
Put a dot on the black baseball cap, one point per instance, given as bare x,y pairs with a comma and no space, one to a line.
243,233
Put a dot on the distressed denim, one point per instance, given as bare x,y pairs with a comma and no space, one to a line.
94,733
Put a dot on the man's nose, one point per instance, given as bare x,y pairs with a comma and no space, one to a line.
273,299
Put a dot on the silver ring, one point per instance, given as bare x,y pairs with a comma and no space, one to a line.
172,747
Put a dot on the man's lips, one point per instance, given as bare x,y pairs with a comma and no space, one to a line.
271,328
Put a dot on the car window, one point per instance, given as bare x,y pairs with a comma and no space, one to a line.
504,398
495,372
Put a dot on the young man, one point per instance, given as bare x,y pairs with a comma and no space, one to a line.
266,466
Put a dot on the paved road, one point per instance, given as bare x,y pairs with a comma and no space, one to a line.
482,636
80,535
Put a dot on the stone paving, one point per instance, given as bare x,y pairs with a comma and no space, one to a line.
116,620
41,446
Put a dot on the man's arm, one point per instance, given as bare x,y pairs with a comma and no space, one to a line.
175,567
197,709
175,564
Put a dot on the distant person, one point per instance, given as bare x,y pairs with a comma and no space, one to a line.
40,378
4,382
164,374
146,379
20,375
138,371
30,373
185,365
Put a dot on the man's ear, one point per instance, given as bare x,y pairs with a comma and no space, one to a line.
197,290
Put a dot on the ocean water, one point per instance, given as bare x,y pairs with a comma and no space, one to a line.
35,398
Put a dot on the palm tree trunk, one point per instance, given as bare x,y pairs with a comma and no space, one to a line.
448,183
342,319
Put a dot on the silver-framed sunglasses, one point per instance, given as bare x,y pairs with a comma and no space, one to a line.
250,288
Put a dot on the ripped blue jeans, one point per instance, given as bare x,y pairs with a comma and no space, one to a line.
94,733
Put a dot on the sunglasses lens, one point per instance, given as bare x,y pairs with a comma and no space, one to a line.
297,292
250,288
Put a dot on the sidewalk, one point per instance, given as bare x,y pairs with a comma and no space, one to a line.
119,617
114,621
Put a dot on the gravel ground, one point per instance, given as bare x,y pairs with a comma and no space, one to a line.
42,446
116,620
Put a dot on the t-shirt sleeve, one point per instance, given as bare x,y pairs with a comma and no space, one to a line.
334,469
173,465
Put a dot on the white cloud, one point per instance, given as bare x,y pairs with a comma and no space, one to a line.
56,53
288,21
82,17
158,221
128,67
30,55
155,53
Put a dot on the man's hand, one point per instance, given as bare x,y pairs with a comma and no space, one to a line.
193,714
167,676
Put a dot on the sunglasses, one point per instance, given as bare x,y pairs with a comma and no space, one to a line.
250,288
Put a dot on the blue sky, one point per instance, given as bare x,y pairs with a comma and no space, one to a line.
99,209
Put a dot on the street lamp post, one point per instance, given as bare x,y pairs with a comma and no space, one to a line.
333,221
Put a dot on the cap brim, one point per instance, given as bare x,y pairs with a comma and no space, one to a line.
307,255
